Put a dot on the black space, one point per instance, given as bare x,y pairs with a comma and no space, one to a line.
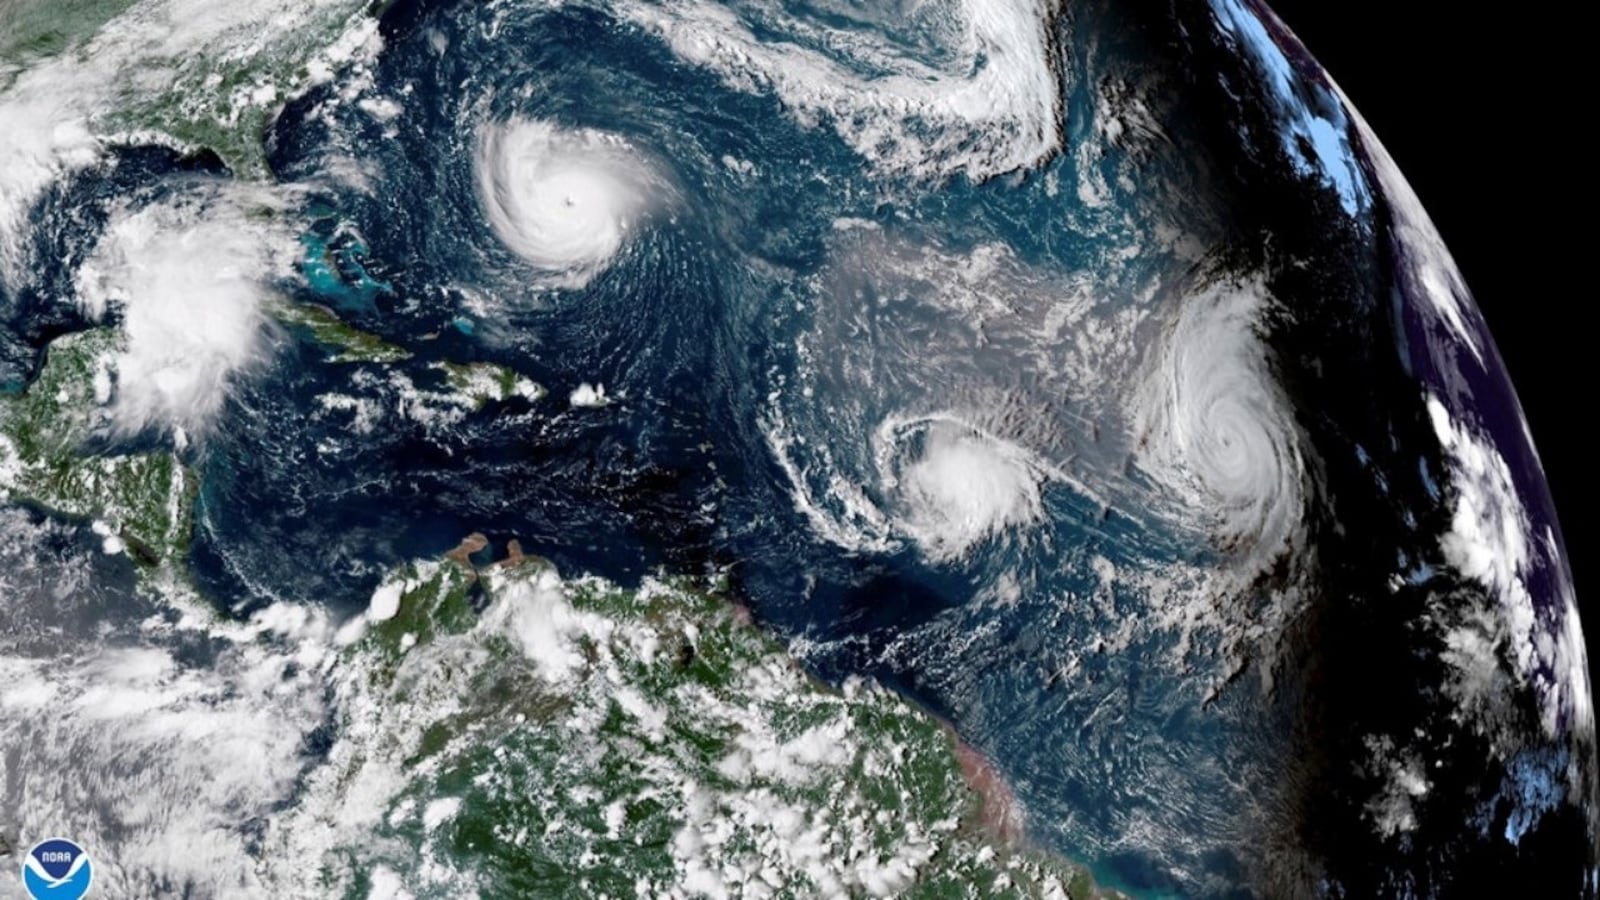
1479,111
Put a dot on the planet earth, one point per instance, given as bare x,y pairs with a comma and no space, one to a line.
682,448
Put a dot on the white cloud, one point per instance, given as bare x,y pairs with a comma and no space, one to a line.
188,282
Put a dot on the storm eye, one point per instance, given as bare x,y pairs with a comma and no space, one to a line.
1218,429
565,201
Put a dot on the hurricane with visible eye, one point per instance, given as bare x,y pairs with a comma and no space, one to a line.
565,200
988,448
1215,426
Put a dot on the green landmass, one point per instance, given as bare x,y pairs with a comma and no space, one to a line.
31,30
581,739
224,101
345,342
145,499
483,383
49,458
504,731
471,384
219,92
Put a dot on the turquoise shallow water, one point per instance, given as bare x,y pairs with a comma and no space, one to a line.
1088,380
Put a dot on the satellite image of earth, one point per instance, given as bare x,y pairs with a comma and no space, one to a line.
755,448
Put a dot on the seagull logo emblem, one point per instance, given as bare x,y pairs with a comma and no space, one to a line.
57,869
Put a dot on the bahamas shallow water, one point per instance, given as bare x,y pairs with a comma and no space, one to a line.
1076,372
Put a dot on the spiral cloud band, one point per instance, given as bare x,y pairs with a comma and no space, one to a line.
563,200
1216,428
956,485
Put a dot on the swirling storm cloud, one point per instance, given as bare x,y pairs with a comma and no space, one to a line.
757,449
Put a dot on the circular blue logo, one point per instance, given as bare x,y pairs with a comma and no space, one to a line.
57,869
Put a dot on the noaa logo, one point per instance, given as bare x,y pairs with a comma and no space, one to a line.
57,869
